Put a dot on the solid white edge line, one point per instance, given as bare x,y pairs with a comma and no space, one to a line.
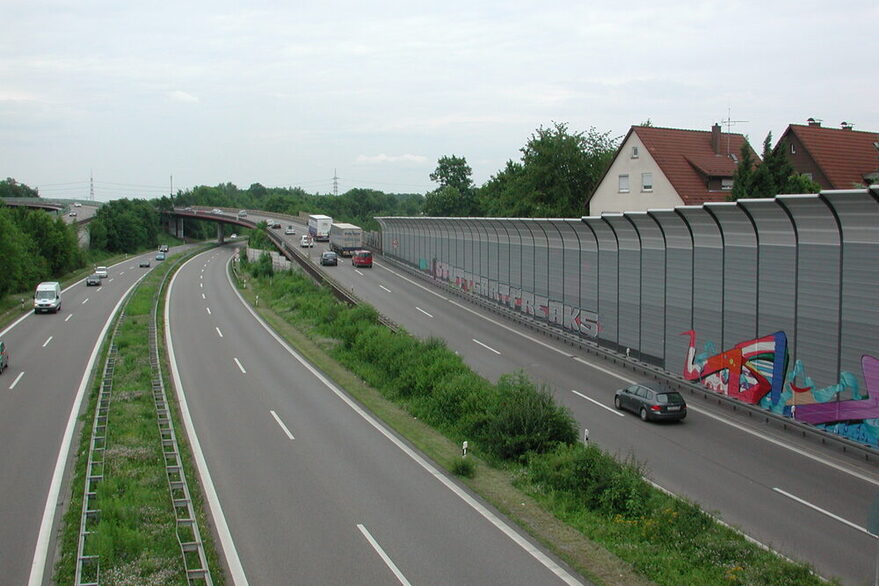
219,332
41,550
499,523
627,380
385,557
823,511
486,346
281,423
15,382
424,312
614,411
241,368
236,570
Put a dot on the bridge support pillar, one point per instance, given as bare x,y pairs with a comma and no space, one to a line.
219,233
178,229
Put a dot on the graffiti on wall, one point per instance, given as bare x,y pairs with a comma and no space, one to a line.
569,317
756,372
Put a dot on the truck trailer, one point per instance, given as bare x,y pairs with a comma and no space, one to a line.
319,227
345,238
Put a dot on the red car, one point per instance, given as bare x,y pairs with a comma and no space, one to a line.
362,258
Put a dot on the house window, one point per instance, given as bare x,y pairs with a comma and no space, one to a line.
624,184
635,152
793,149
646,181
726,183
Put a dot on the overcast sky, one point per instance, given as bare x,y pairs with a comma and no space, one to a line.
286,93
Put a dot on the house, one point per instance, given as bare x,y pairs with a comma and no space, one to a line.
834,158
667,167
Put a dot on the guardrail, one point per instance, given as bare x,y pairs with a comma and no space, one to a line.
94,472
651,371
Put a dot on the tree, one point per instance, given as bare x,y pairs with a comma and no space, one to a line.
743,174
564,167
447,201
452,171
12,188
774,176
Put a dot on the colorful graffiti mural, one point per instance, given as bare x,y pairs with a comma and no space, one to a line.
756,372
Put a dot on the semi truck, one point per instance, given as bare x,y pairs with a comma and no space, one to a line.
345,238
319,227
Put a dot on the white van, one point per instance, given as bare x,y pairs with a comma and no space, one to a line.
47,297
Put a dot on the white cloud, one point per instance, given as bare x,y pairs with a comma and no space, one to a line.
180,96
383,158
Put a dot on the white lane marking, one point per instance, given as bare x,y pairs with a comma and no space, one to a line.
201,276
358,272
387,560
281,423
86,300
69,315
41,549
486,347
385,288
201,285
422,311
498,523
202,296
46,343
820,510
123,272
241,368
625,379
219,332
110,280
208,310
236,570
614,411
15,382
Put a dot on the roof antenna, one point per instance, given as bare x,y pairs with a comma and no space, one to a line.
729,122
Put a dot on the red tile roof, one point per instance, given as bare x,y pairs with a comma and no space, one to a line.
687,159
844,156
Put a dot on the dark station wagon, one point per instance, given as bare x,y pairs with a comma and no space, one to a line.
651,401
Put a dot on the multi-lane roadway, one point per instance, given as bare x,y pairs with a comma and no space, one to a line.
313,489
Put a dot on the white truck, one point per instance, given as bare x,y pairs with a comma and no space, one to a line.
345,238
319,227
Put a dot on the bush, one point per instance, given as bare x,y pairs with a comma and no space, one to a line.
464,468
526,420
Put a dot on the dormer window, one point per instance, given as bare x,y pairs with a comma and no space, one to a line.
635,152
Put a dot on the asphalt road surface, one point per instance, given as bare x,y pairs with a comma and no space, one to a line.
313,490
50,362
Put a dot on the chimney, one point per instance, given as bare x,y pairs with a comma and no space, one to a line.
813,122
715,138
847,125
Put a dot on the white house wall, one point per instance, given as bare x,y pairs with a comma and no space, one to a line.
607,197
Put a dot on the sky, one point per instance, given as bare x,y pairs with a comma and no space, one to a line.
146,96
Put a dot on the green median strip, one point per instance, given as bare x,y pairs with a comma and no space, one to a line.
134,536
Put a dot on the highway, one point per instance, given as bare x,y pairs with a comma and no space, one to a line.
51,359
314,490
810,504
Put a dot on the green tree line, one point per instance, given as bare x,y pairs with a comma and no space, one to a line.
34,247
